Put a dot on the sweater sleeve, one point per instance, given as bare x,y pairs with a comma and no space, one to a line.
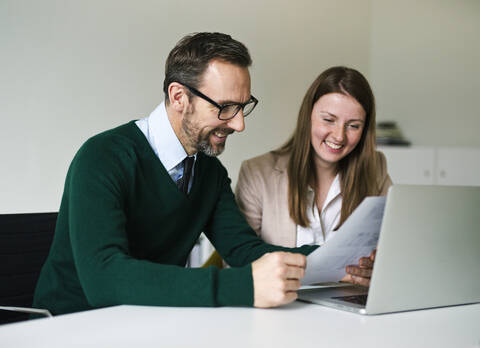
107,273
232,236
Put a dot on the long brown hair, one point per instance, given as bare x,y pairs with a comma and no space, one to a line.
357,170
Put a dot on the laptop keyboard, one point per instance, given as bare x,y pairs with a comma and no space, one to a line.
358,299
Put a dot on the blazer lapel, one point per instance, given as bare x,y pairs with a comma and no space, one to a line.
285,227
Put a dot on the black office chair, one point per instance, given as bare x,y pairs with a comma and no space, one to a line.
25,241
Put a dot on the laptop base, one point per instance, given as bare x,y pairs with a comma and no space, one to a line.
344,298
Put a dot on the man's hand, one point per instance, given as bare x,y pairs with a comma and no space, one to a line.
276,278
360,274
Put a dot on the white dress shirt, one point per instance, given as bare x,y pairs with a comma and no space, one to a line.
322,225
164,142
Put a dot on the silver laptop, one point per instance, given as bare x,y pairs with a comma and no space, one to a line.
428,254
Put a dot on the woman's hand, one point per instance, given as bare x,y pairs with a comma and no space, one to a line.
360,274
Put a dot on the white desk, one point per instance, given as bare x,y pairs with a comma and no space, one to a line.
295,325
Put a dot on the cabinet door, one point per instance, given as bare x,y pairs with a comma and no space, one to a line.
458,166
410,165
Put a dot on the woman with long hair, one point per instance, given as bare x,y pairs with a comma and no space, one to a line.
302,192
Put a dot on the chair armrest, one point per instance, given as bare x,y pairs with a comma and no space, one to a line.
44,312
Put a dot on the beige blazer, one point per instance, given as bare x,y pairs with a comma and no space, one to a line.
262,196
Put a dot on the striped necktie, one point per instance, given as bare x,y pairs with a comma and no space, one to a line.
182,183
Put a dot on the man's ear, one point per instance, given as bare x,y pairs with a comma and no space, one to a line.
177,96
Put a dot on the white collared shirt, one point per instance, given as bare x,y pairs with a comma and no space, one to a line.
322,225
164,142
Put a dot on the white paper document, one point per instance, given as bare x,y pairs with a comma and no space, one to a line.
357,237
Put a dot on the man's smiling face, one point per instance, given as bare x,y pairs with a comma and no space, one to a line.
201,129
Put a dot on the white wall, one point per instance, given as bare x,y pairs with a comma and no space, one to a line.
70,69
425,69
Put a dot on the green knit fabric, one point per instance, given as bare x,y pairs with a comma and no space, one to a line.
124,232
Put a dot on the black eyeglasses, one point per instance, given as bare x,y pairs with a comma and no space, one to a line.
230,110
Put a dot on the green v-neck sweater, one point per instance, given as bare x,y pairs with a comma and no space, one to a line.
124,232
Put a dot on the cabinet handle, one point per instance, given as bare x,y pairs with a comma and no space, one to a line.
426,173
443,173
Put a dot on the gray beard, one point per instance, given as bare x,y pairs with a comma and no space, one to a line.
200,142
203,145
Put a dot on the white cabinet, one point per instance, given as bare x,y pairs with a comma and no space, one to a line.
458,166
412,165
424,165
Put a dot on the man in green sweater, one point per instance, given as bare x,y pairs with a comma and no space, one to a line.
137,197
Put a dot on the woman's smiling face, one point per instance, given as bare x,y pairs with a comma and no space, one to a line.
338,121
